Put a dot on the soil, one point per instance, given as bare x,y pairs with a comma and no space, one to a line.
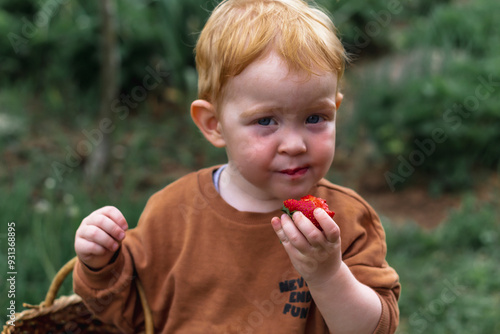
412,204
415,203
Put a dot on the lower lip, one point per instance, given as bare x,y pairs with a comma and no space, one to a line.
296,172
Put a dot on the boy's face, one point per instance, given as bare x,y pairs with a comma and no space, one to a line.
279,129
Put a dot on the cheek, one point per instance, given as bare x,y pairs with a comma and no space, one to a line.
324,146
247,149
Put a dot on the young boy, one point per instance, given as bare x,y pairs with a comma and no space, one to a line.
212,250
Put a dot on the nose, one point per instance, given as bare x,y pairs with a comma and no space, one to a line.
292,142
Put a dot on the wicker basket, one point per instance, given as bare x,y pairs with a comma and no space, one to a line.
67,314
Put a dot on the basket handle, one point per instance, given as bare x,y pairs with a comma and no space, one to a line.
68,268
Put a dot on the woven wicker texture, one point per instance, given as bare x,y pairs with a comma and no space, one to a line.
67,314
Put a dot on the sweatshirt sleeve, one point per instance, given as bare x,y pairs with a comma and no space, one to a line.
364,252
364,249
110,293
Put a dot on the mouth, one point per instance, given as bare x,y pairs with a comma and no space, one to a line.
295,171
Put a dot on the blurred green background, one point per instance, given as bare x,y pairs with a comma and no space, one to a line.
418,136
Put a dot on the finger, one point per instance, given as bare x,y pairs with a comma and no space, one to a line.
96,235
293,234
278,229
107,225
88,249
331,231
115,215
313,235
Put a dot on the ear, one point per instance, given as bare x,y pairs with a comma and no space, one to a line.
338,99
204,116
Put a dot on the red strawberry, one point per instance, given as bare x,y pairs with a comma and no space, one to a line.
306,205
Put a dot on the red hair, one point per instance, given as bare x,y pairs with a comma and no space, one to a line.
240,31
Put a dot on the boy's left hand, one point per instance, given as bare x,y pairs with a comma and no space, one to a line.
315,254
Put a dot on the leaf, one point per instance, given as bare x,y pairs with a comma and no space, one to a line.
287,211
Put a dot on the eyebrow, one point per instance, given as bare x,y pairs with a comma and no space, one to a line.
259,110
323,104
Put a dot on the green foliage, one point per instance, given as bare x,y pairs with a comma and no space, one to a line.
54,47
367,27
449,275
440,91
470,26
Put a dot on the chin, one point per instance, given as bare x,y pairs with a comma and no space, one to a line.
295,192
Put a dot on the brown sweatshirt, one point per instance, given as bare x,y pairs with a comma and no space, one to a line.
209,268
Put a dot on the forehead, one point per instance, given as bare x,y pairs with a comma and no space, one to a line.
271,62
270,79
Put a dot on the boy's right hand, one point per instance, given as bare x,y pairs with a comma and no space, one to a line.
99,236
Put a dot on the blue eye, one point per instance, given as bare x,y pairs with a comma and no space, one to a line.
265,121
314,119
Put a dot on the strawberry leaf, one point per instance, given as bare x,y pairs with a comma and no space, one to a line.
287,211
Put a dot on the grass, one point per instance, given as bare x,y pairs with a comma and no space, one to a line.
450,274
